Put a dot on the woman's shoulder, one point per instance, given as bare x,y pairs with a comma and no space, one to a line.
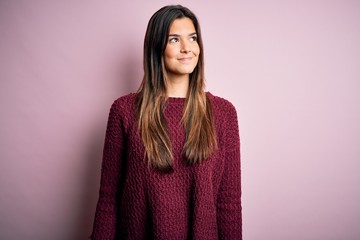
125,104
129,98
220,104
126,100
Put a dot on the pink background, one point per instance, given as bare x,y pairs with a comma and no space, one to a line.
291,68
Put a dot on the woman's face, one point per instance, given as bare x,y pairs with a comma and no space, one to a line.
182,50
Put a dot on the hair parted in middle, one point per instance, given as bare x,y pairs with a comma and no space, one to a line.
197,116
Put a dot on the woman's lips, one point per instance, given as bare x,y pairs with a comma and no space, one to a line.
185,59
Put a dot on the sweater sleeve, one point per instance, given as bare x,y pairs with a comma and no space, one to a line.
106,211
229,217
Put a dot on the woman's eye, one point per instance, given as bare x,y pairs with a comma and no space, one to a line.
193,38
173,40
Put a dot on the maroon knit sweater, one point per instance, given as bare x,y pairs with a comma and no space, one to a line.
200,201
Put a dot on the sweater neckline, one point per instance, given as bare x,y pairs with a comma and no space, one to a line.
181,99
176,99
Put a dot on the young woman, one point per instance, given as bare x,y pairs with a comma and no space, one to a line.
171,161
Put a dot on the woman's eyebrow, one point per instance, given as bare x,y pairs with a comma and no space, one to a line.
177,35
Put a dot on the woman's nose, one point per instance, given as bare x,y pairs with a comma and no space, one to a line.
185,47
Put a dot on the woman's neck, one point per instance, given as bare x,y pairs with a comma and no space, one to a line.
178,86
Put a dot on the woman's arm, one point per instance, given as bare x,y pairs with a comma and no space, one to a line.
106,210
229,217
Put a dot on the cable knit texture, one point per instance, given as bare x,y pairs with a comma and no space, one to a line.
200,201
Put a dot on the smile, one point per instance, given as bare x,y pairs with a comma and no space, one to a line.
185,59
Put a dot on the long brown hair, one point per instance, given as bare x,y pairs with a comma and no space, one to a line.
197,116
